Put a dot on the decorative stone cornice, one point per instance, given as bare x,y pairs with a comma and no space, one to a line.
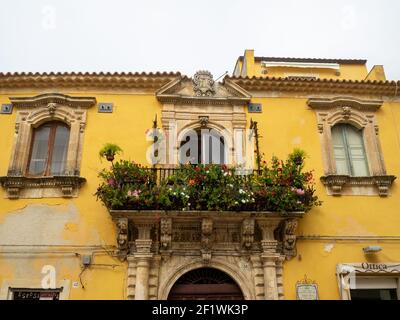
87,80
299,85
66,184
207,233
344,102
336,183
51,100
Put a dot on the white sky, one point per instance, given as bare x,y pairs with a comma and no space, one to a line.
187,35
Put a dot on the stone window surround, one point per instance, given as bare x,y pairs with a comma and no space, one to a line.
223,110
6,294
344,271
31,113
362,115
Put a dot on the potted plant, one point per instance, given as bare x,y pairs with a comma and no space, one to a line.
298,156
109,151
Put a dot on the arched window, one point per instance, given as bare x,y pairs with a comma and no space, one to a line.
349,151
48,153
206,146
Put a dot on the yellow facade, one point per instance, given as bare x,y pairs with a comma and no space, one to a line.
58,231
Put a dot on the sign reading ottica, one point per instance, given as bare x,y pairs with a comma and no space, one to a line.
348,273
368,267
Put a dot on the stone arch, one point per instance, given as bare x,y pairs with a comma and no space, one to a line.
42,116
348,115
230,269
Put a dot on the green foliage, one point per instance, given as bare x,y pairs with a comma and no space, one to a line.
281,186
109,150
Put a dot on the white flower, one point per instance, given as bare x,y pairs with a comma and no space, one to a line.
243,201
225,174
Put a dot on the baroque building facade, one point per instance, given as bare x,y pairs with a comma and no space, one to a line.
53,231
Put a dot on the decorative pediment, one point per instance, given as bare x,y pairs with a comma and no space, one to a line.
52,100
202,89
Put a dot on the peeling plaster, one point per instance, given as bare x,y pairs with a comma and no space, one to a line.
296,140
39,224
328,247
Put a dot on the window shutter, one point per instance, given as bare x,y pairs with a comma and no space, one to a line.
339,150
356,151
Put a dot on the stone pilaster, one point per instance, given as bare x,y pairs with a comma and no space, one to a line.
269,257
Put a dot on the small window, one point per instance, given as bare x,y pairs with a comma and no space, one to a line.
49,149
349,151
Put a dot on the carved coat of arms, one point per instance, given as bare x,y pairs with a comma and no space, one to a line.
203,84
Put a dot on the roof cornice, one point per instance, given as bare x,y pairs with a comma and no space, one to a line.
86,80
307,85
309,60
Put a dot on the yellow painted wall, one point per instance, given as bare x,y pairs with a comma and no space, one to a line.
90,223
284,124
288,123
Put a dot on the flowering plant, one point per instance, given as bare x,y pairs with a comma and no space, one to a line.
281,186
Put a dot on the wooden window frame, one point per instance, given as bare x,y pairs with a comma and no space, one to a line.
50,147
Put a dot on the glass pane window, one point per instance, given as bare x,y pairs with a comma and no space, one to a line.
203,146
49,149
373,294
349,151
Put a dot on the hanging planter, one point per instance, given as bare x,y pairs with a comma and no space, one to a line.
109,151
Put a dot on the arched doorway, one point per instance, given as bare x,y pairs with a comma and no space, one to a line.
205,284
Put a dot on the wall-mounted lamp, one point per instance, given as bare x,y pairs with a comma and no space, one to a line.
372,249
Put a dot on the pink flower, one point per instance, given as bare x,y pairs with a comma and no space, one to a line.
111,182
300,192
134,193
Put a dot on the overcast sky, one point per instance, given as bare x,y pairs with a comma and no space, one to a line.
186,35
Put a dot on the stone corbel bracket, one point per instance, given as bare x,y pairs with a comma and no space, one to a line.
336,183
248,226
165,233
206,239
66,185
122,237
288,234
